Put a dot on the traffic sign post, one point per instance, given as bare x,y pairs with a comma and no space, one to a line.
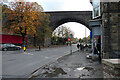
71,36
70,47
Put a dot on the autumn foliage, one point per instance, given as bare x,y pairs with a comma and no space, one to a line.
24,18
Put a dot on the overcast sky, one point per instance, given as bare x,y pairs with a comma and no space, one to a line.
64,5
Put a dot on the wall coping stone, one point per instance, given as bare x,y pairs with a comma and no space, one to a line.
114,63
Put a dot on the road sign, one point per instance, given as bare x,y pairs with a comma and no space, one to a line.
90,35
71,36
54,39
68,39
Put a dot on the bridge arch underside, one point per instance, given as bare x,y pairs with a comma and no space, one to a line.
57,23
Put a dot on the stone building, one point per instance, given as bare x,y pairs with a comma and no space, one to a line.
110,15
95,25
106,17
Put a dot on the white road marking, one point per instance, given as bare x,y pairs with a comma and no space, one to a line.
31,54
28,53
47,57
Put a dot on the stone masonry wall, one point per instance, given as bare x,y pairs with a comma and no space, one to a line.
111,33
119,27
111,68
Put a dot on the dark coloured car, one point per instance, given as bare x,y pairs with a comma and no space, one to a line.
6,47
89,45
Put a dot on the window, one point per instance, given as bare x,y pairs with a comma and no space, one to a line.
96,8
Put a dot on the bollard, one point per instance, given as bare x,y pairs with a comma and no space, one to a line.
39,47
24,48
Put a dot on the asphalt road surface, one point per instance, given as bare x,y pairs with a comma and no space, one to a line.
19,64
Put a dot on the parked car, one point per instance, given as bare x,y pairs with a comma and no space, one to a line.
6,47
0,47
89,45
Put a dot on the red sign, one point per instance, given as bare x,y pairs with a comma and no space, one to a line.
68,39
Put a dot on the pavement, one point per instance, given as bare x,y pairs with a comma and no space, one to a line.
74,65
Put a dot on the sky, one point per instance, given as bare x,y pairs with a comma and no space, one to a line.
65,5
68,5
78,29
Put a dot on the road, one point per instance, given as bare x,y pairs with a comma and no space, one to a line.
17,64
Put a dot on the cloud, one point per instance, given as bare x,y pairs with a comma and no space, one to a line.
77,5
78,29
51,5
65,5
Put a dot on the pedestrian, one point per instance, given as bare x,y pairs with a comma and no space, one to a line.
99,57
83,47
99,50
78,46
95,50
39,47
86,47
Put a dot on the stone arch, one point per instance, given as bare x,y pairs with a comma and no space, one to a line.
70,20
60,17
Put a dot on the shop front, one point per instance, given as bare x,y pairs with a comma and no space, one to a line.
96,37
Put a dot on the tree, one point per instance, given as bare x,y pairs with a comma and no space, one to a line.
75,40
80,40
0,18
3,16
62,33
23,18
44,31
68,31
